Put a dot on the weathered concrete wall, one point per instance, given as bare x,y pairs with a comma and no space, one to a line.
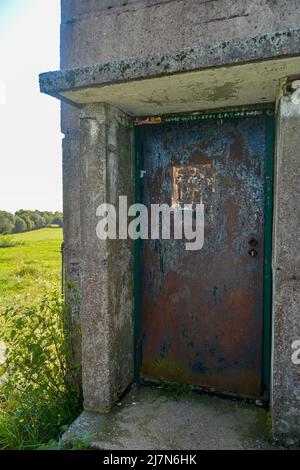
94,31
286,271
106,266
71,251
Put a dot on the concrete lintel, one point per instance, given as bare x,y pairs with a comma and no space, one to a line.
237,51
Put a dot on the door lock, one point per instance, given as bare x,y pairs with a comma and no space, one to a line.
252,253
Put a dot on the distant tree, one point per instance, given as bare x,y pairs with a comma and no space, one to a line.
28,221
48,216
33,219
7,222
58,219
25,215
37,219
20,225
25,220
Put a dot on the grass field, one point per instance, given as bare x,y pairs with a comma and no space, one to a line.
31,267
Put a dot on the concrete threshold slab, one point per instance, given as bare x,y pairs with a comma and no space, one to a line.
153,418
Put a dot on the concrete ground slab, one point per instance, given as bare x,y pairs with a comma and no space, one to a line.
155,418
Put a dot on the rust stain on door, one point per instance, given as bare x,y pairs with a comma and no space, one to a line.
202,311
191,183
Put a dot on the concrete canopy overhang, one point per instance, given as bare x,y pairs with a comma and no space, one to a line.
235,73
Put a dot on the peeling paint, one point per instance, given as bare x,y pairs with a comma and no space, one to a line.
202,313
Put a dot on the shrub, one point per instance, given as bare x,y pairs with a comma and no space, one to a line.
38,401
7,241
25,270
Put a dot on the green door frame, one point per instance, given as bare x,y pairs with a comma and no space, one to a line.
237,113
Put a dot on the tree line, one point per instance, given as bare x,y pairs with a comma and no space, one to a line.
25,220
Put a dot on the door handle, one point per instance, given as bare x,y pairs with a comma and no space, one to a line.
252,241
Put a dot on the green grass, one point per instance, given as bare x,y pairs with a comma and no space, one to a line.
35,404
30,267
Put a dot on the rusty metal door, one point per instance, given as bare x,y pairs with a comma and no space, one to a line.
202,311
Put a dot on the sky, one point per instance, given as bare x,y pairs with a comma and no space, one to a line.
30,138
